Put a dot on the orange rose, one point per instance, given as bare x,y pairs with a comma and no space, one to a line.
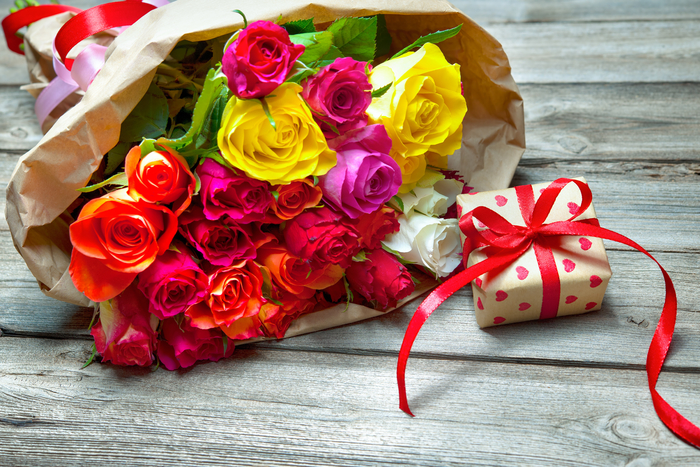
235,293
295,274
292,199
114,239
160,177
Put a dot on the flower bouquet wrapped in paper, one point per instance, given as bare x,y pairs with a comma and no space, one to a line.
229,178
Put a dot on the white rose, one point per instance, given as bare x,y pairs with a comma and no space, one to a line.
428,241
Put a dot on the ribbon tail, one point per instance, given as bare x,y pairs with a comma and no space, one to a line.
432,302
660,343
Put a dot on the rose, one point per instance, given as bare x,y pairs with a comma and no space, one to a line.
221,242
431,242
277,317
422,110
114,239
294,274
432,200
235,292
172,283
125,333
323,237
380,278
159,177
292,199
373,227
224,192
339,94
296,149
365,176
181,345
259,59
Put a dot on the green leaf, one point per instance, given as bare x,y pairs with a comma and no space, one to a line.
116,156
301,26
433,38
383,38
149,118
92,357
317,44
381,91
355,37
266,109
116,179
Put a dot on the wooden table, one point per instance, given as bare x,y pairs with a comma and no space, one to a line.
612,93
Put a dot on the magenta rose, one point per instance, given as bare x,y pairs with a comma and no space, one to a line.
220,242
224,192
339,94
365,176
380,278
173,283
322,237
259,59
125,333
182,345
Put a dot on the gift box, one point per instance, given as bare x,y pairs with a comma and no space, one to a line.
556,276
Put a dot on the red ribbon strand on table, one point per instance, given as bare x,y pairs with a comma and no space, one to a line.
509,242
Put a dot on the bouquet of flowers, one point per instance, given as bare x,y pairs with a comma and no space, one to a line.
298,166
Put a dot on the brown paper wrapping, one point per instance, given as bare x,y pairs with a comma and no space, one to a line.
514,293
45,180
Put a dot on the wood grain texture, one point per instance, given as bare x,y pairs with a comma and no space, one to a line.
297,408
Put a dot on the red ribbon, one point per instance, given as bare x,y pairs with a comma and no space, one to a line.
26,16
97,19
509,242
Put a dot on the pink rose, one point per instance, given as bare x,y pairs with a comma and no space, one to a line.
125,333
173,283
182,345
259,59
322,237
224,192
339,94
380,278
366,176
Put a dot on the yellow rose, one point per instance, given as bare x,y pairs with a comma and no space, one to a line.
422,111
294,151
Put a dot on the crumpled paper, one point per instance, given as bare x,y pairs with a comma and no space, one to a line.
45,180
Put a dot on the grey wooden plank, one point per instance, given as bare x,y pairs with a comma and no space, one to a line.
622,330
663,51
297,408
526,11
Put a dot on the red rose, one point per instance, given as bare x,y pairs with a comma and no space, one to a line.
375,226
259,59
160,177
182,345
114,239
323,237
125,333
380,278
235,292
292,199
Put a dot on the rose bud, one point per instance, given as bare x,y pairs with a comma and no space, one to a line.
259,59
339,94
380,278
125,333
224,192
365,176
173,283
160,177
114,239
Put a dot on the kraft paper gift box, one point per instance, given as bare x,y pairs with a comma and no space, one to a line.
515,292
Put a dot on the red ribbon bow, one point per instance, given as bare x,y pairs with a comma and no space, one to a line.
509,242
